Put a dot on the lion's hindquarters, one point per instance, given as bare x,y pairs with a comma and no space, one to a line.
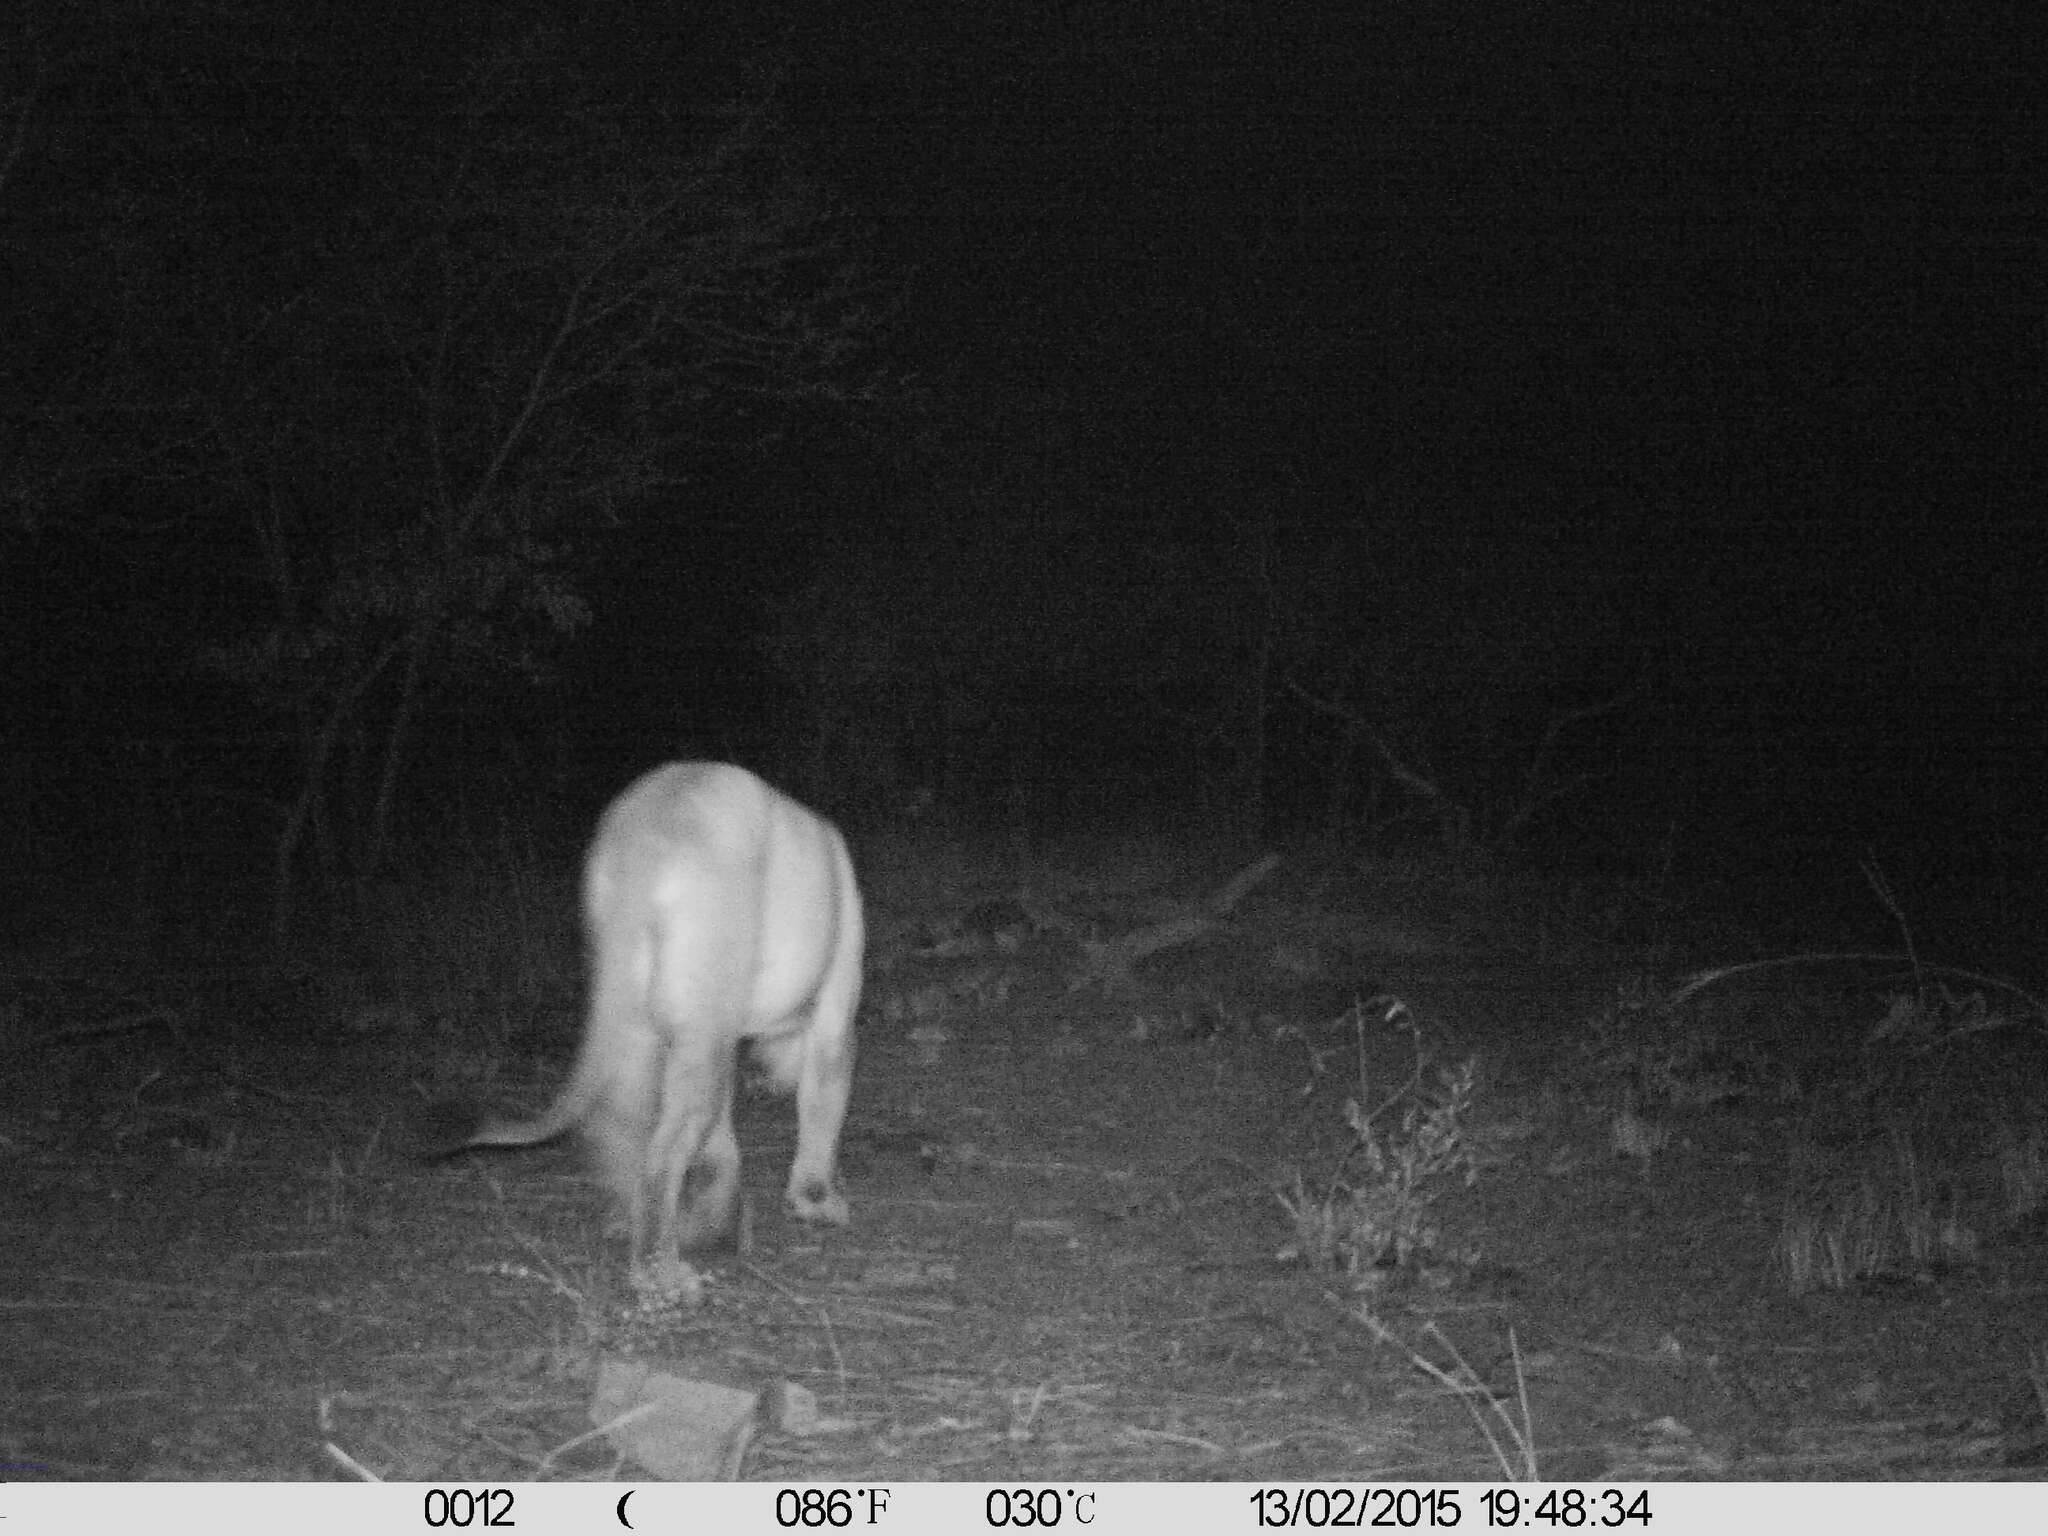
758,938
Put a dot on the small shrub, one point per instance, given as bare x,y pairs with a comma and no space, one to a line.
1376,1213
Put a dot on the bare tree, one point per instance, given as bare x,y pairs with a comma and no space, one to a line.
576,294
1469,822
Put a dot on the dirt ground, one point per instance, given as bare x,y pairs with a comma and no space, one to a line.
1780,1227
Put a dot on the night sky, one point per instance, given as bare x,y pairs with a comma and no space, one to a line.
1186,414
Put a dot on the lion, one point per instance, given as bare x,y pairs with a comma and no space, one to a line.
716,911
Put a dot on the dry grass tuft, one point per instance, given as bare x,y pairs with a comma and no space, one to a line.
1879,1218
1375,1214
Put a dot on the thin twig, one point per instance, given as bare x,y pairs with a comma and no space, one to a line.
1999,983
1883,890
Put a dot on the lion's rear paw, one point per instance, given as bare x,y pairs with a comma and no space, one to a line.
664,1282
819,1204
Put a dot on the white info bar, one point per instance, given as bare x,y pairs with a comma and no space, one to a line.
946,1509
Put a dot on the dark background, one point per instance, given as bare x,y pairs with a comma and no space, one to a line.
1598,438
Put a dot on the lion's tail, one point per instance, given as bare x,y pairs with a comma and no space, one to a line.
453,1128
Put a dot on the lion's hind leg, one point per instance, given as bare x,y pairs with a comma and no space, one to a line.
692,1167
818,1064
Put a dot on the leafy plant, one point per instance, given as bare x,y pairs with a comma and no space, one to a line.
1376,1212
